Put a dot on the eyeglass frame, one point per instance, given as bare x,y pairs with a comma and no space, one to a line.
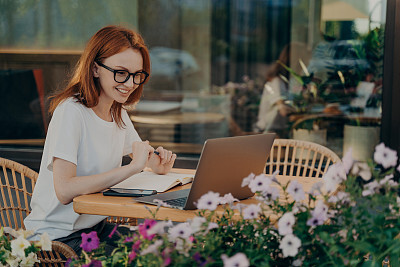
146,75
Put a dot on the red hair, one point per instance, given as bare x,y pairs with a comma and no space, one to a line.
83,86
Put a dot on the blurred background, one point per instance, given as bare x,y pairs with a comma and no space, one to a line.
305,69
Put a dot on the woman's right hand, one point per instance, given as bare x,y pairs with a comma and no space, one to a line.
141,152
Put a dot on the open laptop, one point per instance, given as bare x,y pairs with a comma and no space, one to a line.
223,164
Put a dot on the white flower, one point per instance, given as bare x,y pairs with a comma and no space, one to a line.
153,248
290,245
362,169
159,227
45,242
237,260
286,223
386,179
340,196
316,188
212,225
398,168
370,188
297,262
29,261
182,230
385,156
18,246
208,201
228,199
246,181
260,183
13,262
348,160
334,176
271,193
21,232
295,189
251,211
197,223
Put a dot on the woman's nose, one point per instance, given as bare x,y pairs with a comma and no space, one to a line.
129,83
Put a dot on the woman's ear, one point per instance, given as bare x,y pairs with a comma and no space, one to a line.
95,70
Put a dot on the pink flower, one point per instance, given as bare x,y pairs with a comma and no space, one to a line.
113,231
132,256
90,241
144,227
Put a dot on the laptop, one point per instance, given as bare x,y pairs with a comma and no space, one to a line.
223,164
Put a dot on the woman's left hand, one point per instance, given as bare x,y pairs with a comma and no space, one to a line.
163,162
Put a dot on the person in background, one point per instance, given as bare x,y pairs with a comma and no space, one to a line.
89,133
272,114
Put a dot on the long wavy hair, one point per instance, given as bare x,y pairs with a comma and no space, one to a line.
84,87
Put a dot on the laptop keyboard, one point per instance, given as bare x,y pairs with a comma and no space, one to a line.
179,202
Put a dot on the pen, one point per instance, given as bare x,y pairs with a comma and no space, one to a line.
156,152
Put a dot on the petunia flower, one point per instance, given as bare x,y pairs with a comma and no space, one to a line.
19,245
260,183
286,223
153,248
270,194
246,181
290,245
370,188
197,223
89,241
145,227
113,231
237,260
295,189
132,256
45,242
228,199
348,160
251,211
362,169
181,230
30,260
334,176
385,156
316,188
159,228
208,201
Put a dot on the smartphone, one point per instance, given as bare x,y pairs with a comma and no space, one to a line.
122,192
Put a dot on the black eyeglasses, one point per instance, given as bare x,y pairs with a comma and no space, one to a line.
122,76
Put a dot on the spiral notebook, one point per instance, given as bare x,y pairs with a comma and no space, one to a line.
151,181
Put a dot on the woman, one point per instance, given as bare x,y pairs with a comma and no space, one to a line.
88,135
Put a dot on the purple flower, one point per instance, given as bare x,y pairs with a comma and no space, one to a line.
90,241
144,227
68,262
201,261
113,231
317,219
93,263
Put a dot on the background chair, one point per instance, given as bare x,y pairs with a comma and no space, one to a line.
16,186
298,158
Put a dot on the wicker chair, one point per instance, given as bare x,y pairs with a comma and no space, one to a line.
16,186
298,158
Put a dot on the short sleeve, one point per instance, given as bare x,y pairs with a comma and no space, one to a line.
131,134
64,133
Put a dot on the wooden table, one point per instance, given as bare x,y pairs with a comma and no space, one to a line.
179,118
98,204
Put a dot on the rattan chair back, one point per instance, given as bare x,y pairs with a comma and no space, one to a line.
297,158
16,186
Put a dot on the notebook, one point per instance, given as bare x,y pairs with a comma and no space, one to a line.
147,180
223,164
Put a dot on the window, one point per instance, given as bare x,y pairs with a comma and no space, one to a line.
214,66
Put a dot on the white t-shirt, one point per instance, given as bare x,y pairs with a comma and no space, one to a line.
269,118
78,135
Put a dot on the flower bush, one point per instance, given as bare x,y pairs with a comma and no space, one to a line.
350,218
16,250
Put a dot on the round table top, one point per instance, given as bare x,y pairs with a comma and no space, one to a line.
179,118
